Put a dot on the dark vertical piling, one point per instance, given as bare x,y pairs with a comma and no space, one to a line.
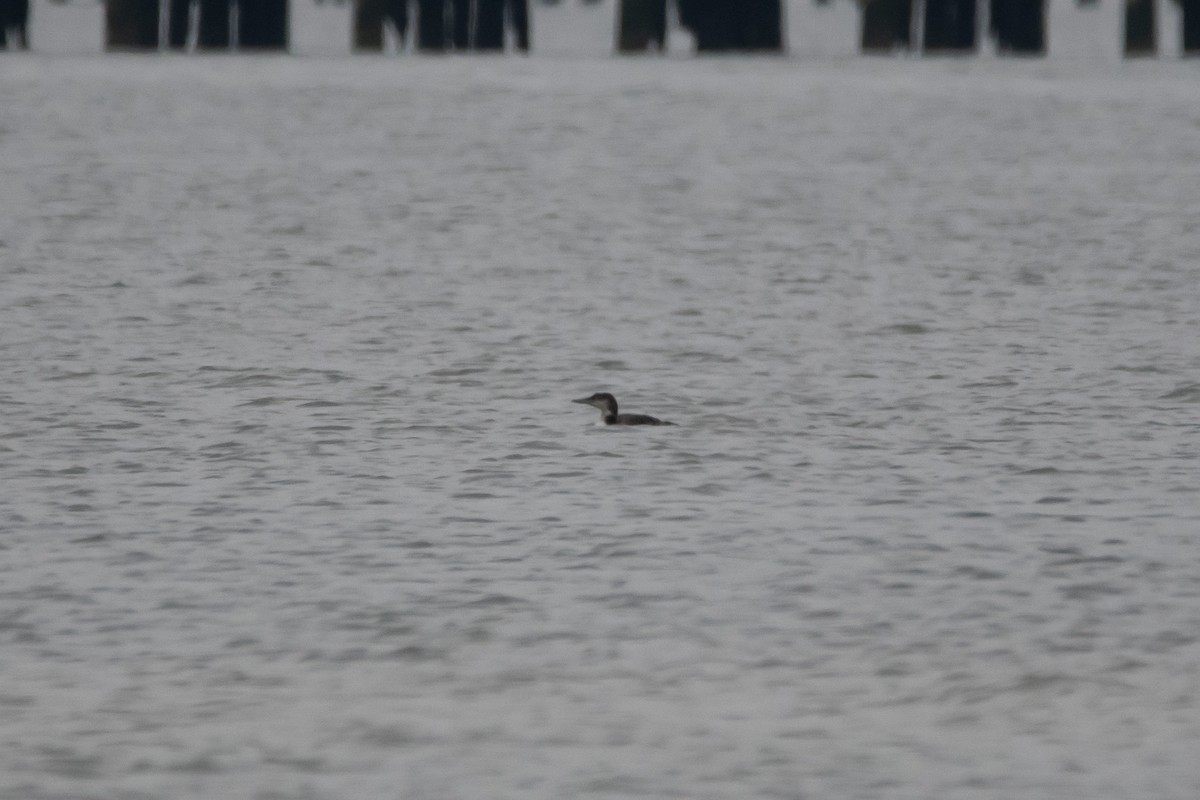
460,24
1140,39
131,24
460,28
518,18
368,24
213,32
1191,27
761,25
709,21
431,25
949,25
489,24
14,24
734,24
134,24
370,16
491,18
1018,26
886,26
177,30
641,25
263,24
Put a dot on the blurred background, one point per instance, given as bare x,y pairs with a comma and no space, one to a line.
814,28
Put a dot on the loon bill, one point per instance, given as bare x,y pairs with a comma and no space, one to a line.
608,411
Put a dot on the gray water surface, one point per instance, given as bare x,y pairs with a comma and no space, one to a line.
295,504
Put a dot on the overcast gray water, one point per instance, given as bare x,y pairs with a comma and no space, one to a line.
295,505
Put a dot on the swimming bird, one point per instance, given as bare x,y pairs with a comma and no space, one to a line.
608,411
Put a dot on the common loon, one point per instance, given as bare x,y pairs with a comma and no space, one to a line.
608,410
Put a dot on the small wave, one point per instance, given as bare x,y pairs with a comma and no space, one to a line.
612,365
1139,368
70,376
903,328
1188,393
455,372
1084,591
264,401
242,377
991,382
494,600
704,356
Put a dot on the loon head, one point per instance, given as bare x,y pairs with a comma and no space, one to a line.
601,400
